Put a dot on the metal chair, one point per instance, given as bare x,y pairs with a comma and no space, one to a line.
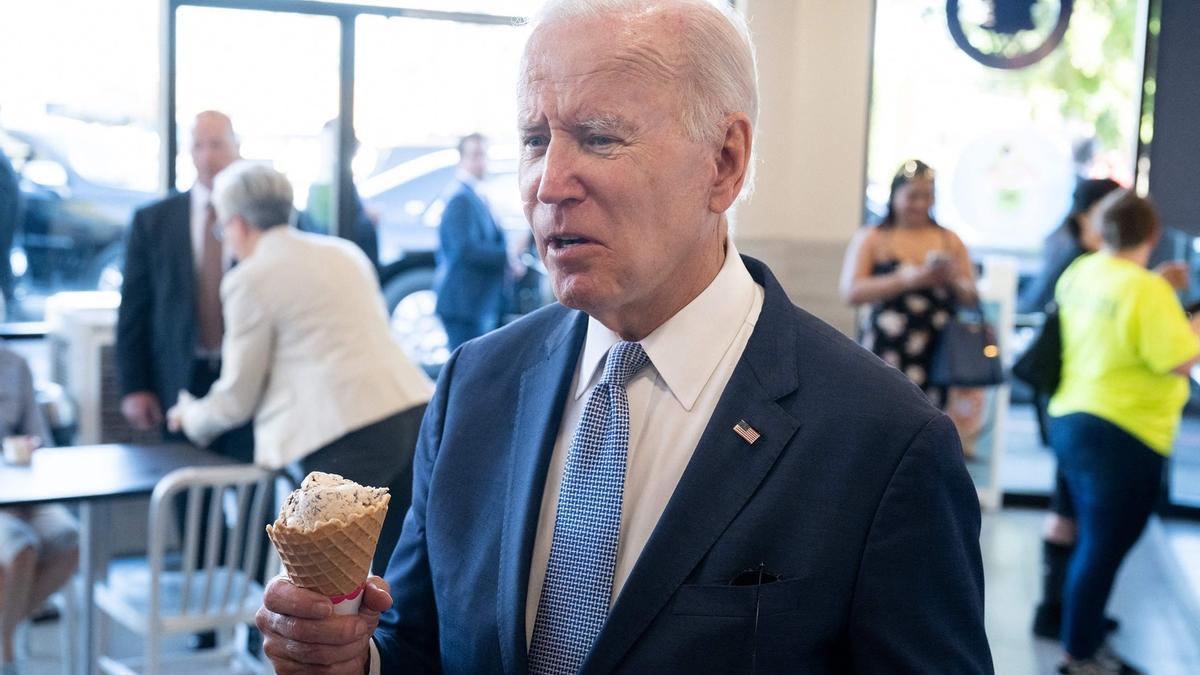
65,602
210,595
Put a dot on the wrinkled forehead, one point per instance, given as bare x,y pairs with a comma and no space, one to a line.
597,54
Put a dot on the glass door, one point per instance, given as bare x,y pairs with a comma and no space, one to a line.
276,75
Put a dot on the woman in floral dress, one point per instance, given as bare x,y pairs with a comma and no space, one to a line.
911,273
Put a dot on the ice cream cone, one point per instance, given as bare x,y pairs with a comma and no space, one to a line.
326,536
335,557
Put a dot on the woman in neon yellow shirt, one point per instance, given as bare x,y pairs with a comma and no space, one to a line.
1127,351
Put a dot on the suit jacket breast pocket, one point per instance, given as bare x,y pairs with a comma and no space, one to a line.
723,600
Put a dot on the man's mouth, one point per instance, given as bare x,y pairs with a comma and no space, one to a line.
567,242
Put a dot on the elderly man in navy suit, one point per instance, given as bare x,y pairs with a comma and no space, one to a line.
472,257
674,469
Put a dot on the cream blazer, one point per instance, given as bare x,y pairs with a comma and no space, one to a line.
307,351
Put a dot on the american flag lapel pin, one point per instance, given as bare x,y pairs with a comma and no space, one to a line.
747,432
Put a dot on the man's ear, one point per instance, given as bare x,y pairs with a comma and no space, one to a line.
733,163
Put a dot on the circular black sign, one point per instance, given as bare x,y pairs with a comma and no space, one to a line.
1010,34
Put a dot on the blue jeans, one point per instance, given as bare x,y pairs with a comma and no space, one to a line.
1114,481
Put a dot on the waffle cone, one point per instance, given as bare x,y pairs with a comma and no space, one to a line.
333,558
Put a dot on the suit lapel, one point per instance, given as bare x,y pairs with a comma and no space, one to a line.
540,403
177,228
179,263
721,477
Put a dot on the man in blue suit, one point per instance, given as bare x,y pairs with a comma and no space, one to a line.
472,257
674,469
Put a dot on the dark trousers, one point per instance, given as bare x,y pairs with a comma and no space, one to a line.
459,330
1113,480
380,455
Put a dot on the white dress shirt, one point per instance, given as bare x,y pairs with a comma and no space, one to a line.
200,199
467,178
692,357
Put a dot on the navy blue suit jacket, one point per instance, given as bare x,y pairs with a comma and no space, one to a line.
472,259
856,496
156,339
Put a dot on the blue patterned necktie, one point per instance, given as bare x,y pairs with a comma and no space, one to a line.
583,552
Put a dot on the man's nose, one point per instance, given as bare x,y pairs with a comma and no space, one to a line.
560,180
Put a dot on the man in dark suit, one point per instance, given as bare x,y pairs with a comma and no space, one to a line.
675,469
169,325
472,257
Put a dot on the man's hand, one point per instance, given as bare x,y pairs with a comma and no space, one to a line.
175,414
302,634
142,410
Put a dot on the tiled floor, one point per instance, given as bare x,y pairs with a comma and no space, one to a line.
1160,623
1160,629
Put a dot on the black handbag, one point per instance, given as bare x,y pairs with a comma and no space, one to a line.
1041,365
967,353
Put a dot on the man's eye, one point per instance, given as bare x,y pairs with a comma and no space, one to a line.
601,141
534,142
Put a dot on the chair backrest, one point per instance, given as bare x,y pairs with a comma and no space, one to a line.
237,497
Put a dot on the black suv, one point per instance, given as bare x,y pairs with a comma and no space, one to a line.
71,235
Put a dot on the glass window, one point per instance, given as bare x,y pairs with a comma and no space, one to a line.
518,8
1007,144
79,83
493,7
417,91
420,85
274,74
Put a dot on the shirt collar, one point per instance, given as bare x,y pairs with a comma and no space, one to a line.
200,196
687,349
467,178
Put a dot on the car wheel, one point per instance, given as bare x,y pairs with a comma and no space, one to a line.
108,269
411,303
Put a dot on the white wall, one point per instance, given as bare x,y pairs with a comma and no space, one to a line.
814,61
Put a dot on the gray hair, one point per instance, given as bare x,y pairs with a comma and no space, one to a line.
259,194
718,74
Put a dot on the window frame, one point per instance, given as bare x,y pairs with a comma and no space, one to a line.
346,15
